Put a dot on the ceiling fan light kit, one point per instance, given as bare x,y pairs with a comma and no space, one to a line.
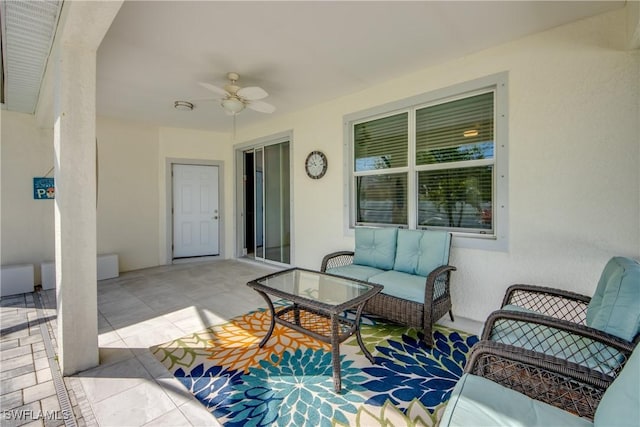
234,98
232,105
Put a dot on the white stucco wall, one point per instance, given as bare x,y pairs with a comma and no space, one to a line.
574,183
127,217
26,224
127,214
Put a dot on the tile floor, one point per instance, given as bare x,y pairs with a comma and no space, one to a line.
135,311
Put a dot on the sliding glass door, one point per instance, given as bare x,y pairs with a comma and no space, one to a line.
268,222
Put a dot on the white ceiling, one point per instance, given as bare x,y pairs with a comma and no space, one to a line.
302,53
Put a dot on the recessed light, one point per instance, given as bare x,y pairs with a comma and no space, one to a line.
183,105
470,133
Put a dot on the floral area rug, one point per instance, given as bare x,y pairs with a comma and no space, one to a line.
290,380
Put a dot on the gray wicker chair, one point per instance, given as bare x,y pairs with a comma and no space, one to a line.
542,378
569,326
437,298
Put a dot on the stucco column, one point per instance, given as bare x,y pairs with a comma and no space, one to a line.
75,212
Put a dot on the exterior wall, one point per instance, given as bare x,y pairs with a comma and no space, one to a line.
26,224
574,156
127,192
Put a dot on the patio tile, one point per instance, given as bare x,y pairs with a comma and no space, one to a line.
114,353
129,316
170,419
198,415
106,338
133,407
151,364
178,394
125,303
153,336
105,381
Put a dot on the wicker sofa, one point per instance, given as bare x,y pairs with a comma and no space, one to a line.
597,332
506,385
412,265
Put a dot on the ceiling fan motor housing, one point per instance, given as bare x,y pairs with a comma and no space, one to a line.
232,87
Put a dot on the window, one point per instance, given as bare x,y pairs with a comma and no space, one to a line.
435,161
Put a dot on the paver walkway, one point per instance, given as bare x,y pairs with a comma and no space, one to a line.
28,394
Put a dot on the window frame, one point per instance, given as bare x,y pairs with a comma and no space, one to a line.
498,84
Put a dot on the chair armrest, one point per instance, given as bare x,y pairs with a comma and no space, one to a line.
336,259
563,339
557,382
553,302
437,284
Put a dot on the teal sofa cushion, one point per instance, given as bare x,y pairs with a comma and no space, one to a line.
421,251
615,305
476,401
620,405
401,285
353,271
375,247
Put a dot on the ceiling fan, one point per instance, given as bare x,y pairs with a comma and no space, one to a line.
234,98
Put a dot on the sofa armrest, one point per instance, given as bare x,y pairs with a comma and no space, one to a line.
552,302
557,382
589,347
438,284
336,259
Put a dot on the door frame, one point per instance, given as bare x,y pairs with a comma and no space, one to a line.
239,208
169,162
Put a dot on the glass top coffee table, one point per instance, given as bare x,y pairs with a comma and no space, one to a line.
318,302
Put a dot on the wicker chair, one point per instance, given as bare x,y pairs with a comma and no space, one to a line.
507,385
420,315
596,332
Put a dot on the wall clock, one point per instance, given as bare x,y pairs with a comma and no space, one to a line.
316,164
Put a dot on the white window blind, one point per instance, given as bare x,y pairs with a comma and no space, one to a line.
435,161
380,150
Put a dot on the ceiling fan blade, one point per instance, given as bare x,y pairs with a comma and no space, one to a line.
252,93
261,106
214,89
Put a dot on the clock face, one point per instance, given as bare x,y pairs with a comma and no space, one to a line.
316,164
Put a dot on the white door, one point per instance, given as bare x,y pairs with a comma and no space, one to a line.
196,219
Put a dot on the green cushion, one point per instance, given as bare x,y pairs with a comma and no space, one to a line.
401,285
358,272
615,305
421,251
620,405
476,401
375,247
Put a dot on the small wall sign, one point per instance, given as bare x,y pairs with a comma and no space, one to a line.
44,189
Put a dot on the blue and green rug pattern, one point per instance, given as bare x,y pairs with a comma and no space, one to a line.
290,380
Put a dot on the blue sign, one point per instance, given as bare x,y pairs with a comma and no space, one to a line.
44,189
